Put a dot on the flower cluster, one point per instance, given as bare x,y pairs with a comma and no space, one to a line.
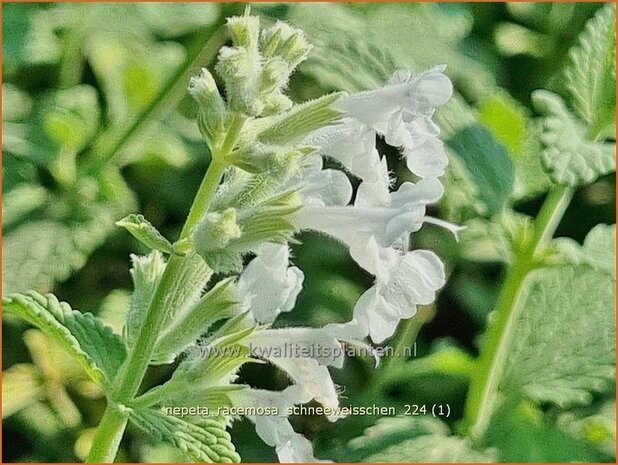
274,186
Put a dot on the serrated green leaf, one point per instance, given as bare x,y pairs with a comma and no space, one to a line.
488,162
564,343
98,349
591,73
145,232
568,156
204,441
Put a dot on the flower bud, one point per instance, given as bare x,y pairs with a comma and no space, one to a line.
276,103
212,111
240,68
215,231
295,49
287,42
274,76
280,162
245,31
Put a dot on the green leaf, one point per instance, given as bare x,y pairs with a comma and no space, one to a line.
206,440
390,431
568,156
506,118
146,274
71,117
599,249
564,343
591,73
97,348
488,163
596,426
293,125
38,254
145,232
522,434
191,322
21,201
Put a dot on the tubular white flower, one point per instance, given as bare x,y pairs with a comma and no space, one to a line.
351,142
303,354
403,281
401,111
269,285
419,95
276,430
354,226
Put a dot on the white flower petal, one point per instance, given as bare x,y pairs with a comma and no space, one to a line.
374,190
420,94
427,159
412,279
268,285
402,214
276,430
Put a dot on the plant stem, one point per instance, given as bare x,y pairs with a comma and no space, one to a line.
481,400
132,371
108,435
213,176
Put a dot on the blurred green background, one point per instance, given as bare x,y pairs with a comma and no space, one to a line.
97,123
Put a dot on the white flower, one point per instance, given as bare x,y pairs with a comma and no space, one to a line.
303,354
403,281
322,187
420,95
401,111
351,142
269,285
403,214
275,429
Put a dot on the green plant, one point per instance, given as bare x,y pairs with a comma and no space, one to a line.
210,317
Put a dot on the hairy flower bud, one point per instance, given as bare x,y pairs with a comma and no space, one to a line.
274,75
245,31
280,162
215,231
212,111
240,70
287,42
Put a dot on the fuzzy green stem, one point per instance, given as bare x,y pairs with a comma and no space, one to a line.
108,435
132,371
213,176
482,395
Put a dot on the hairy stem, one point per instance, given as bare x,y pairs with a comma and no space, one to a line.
132,371
108,435
482,395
